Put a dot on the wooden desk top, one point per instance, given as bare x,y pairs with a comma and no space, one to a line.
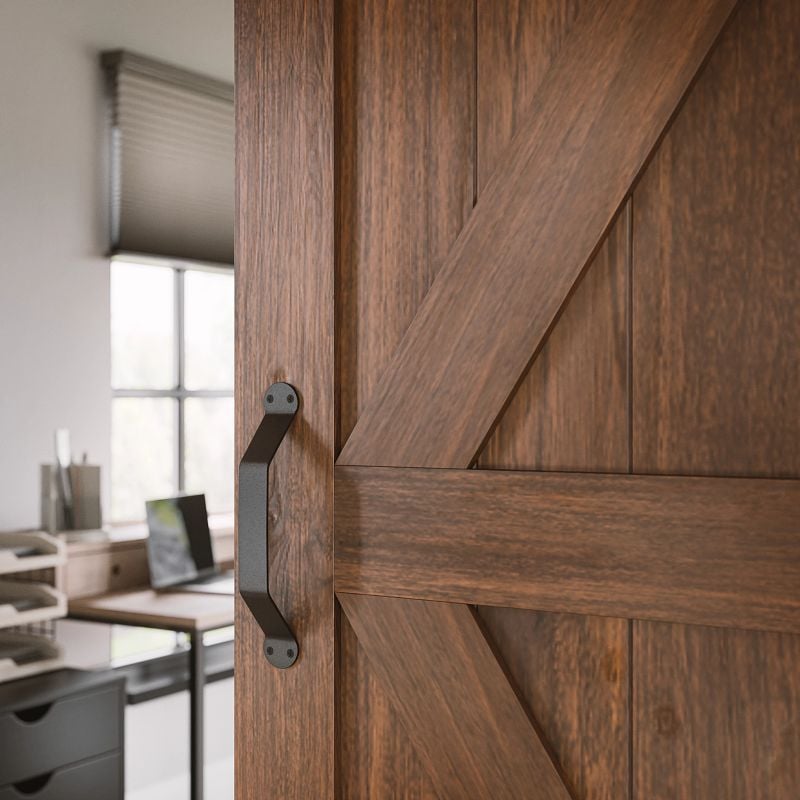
178,611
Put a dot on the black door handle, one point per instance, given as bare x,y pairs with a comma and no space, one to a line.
280,406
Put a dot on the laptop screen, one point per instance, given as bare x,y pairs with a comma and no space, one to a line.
179,544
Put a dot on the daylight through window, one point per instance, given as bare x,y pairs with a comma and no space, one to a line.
172,382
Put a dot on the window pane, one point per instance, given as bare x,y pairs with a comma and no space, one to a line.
209,450
142,454
208,325
142,326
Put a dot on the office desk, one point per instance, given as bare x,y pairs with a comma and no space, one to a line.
186,612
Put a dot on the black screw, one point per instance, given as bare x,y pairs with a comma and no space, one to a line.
290,398
270,651
290,653
270,398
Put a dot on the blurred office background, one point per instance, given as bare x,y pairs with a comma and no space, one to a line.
132,352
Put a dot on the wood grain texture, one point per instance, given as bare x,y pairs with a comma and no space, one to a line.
518,42
700,550
716,380
716,326
405,106
570,412
453,698
535,227
376,757
284,331
573,674
717,714
405,172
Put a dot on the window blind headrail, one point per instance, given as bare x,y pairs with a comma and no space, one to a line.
134,64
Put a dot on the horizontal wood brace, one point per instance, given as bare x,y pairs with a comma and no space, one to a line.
707,551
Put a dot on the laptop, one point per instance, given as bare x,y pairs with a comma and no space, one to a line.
179,550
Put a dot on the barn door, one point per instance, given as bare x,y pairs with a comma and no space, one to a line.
531,266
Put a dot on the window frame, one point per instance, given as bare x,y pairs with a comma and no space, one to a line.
178,391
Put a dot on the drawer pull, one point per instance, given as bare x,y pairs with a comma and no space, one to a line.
33,786
34,714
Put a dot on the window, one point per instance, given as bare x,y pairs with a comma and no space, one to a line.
172,385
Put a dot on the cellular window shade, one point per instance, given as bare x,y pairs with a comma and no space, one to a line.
172,140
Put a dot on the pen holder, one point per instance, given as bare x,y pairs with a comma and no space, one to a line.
87,511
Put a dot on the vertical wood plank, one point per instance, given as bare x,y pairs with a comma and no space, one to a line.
717,713
377,760
716,324
716,343
573,672
405,128
518,41
569,412
284,331
405,172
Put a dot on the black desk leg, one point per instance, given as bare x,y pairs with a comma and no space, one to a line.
196,693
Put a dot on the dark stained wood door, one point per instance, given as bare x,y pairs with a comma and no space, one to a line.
532,266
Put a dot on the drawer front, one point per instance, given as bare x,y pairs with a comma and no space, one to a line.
100,778
109,570
38,740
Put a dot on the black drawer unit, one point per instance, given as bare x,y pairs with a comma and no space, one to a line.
96,778
61,733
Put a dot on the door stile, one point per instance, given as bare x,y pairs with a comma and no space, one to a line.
284,332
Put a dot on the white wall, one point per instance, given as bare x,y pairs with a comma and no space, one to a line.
54,304
54,289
